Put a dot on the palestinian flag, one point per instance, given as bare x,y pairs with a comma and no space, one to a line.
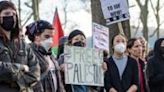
58,32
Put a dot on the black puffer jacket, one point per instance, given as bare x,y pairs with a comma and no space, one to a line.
13,56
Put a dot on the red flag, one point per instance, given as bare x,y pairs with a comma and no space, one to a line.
58,32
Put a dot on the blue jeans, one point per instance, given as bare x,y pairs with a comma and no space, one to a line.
79,88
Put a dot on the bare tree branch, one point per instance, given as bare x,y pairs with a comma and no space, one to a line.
19,9
157,17
155,31
28,5
139,3
151,3
65,14
85,5
137,28
28,18
144,17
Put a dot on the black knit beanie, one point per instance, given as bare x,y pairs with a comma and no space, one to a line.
75,33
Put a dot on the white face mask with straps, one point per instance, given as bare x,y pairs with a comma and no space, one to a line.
120,47
46,44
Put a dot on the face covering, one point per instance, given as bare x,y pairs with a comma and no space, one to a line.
46,44
162,50
120,48
79,44
7,23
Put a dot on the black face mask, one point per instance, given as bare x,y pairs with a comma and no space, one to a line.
7,23
79,44
162,50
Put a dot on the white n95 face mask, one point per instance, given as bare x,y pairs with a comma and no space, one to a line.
120,48
46,44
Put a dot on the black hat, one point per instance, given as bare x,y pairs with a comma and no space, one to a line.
38,26
42,24
75,33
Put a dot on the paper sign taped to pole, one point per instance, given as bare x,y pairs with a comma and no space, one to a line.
83,66
100,37
115,10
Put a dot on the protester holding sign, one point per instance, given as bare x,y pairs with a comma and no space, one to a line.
122,73
40,33
75,38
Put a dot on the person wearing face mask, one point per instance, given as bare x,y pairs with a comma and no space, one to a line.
155,67
19,68
122,73
40,34
76,38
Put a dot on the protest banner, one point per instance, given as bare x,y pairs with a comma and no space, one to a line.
100,37
83,66
115,11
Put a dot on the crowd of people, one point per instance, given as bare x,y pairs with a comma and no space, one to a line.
33,68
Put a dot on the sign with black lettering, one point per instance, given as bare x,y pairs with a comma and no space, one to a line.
115,10
100,37
83,66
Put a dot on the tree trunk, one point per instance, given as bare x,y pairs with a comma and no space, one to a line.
158,18
19,9
97,16
35,7
144,17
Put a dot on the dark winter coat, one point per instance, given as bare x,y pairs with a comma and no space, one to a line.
155,69
129,77
46,84
13,55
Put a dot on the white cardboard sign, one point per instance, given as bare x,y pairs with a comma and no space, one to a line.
115,10
83,66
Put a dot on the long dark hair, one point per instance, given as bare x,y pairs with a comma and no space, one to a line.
157,50
131,42
14,32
